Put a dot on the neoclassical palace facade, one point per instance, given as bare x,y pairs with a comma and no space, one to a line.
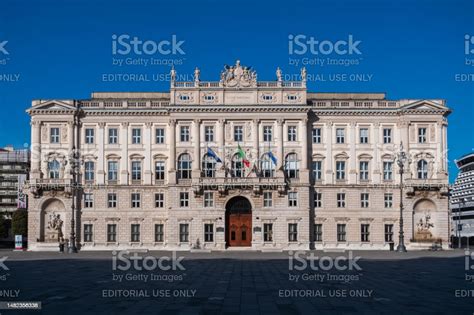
238,163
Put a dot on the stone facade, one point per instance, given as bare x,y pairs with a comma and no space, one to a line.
306,153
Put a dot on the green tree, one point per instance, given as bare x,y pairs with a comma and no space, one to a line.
20,222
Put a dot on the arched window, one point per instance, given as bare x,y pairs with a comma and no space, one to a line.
209,166
266,166
53,167
184,166
237,166
291,165
422,168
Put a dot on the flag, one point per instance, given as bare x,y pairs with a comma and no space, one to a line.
242,156
213,154
272,157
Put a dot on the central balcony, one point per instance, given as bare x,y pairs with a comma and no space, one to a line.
224,184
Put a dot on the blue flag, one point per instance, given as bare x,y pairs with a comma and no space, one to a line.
272,157
213,154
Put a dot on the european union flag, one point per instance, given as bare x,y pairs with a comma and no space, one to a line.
213,154
272,157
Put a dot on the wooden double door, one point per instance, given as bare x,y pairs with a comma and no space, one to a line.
239,229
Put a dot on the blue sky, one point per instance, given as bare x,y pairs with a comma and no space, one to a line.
408,49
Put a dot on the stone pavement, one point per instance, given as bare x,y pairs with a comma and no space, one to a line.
239,283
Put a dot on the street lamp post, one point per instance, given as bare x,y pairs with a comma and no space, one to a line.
401,159
74,165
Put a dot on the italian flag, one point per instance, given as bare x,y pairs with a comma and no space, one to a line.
242,156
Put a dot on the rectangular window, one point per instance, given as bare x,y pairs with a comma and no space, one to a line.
111,200
364,200
238,133
364,135
136,136
341,232
267,133
268,232
318,232
89,135
316,133
388,233
54,135
184,199
184,232
387,170
421,135
135,233
387,135
364,170
317,170
159,135
208,199
184,133
340,135
364,232
160,170
89,171
292,133
388,200
112,172
159,233
267,199
88,237
208,232
292,232
136,200
318,199
340,170
113,136
88,200
159,200
209,133
111,232
292,199
136,170
341,200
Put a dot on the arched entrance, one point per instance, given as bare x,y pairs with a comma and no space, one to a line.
238,219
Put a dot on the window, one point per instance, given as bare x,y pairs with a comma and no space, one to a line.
136,170
292,133
318,199
238,133
89,171
111,232
317,170
111,200
89,135
364,170
237,166
208,199
387,170
112,172
292,232
340,170
209,97
160,170
388,200
341,200
209,133
53,168
159,233
341,232
291,166
135,233
421,135
364,200
268,232
364,135
184,232
184,199
364,232
159,135
422,169
267,199
113,136
316,133
292,199
159,200
267,97
387,135
267,133
136,136
267,166
388,233
340,135
208,232
209,166
184,166
136,200
88,236
318,232
88,200
54,135
184,133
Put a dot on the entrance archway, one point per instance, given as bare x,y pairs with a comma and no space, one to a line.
238,219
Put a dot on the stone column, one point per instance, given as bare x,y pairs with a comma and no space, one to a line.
100,155
35,149
375,163
303,138
353,157
172,151
328,179
147,179
440,147
196,166
255,130
124,158
280,150
221,150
